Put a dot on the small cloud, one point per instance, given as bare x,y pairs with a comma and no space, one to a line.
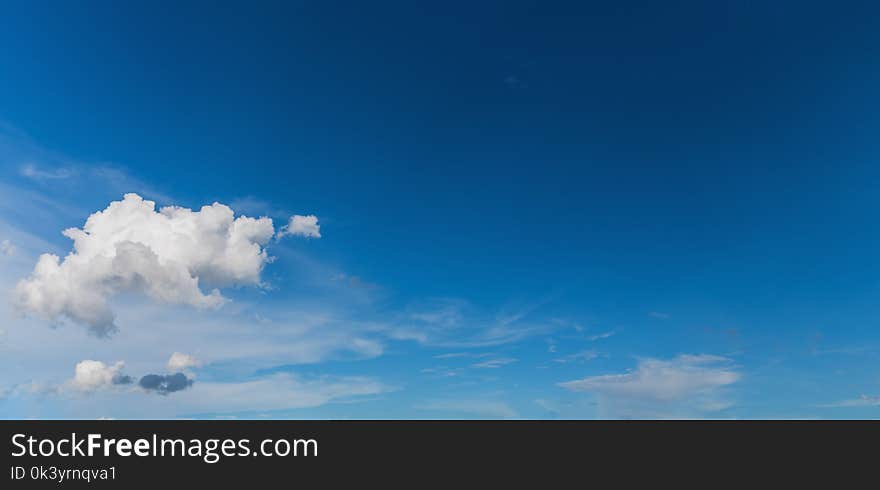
445,314
305,226
861,401
453,355
6,248
164,384
33,388
729,333
31,171
600,336
494,363
659,315
92,375
180,362
443,371
583,356
354,282
479,408
684,384
281,391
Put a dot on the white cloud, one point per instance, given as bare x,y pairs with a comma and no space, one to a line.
658,379
93,375
446,314
31,171
447,325
278,392
494,363
130,247
686,382
6,248
306,226
479,408
601,336
179,362
452,355
587,355
861,401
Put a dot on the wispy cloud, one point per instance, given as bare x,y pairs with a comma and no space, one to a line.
31,171
861,401
446,313
662,388
479,408
454,324
443,371
583,356
494,363
453,355
600,336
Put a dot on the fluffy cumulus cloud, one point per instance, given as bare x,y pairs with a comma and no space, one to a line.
94,375
91,376
306,226
164,384
179,362
663,387
169,255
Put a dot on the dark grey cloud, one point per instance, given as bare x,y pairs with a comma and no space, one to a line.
122,379
165,383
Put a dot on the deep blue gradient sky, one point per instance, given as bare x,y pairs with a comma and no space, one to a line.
696,178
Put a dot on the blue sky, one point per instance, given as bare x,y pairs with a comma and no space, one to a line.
526,209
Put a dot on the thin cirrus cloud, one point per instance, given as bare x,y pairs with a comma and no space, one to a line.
453,324
280,391
494,363
166,255
469,407
583,356
276,392
31,171
861,401
657,385
601,336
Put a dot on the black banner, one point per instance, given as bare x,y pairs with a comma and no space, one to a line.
414,454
